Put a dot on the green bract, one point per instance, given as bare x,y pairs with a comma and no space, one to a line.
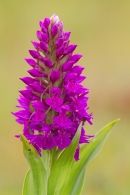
64,176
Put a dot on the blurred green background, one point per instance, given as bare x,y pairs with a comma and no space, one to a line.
101,28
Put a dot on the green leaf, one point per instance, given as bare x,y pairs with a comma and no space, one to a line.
37,168
28,187
45,158
87,153
61,169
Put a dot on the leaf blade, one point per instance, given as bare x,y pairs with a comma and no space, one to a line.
36,166
61,169
87,153
28,187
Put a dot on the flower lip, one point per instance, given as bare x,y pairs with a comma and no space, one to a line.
55,91
38,106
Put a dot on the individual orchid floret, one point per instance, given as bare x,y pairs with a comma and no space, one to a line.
54,102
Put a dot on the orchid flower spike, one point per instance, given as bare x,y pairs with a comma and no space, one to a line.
54,102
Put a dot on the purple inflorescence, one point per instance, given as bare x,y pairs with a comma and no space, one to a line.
54,101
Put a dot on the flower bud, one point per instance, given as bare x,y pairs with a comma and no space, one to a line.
55,75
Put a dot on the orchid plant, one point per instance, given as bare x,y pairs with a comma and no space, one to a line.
53,112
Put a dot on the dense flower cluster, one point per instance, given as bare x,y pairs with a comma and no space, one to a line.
54,101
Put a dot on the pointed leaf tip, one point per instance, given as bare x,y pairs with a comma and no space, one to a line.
108,126
87,153
28,149
37,168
